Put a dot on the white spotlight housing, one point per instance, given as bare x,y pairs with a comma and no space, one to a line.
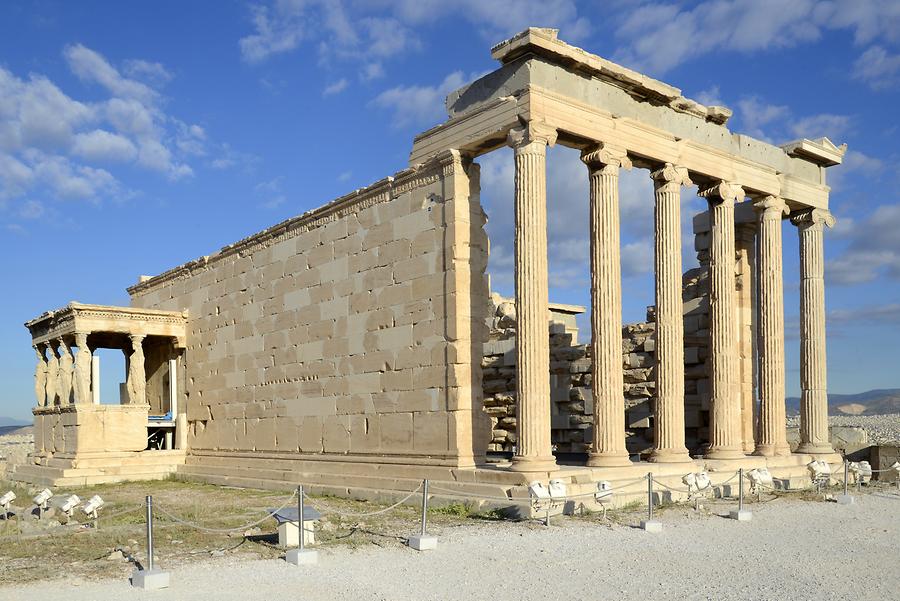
557,490
42,498
539,494
860,471
819,472
92,506
68,504
6,499
604,492
760,478
697,482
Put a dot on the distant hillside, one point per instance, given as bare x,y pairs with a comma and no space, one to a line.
8,421
872,402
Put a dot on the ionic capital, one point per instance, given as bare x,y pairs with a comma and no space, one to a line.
671,176
136,340
813,218
603,155
771,207
81,339
531,133
722,193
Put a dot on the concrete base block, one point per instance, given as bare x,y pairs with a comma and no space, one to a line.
302,557
741,515
150,580
422,542
845,499
651,526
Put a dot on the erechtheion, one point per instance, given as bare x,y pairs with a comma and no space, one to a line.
346,348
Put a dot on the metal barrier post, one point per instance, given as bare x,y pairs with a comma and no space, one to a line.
150,578
741,515
149,503
846,498
301,555
423,541
650,525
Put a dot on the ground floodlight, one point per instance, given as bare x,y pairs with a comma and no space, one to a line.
42,497
5,501
92,506
68,504
539,493
604,492
760,478
557,490
819,473
860,471
697,482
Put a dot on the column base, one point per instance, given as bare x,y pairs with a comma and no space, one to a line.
533,464
772,450
725,453
608,459
670,456
815,449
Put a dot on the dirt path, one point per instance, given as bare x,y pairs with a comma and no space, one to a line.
791,550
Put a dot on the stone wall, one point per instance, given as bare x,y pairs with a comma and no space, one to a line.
353,330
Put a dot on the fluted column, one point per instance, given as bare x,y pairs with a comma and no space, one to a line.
668,423
608,445
52,373
534,451
813,366
82,369
772,433
725,402
40,376
137,378
66,367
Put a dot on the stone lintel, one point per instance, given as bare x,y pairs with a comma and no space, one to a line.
821,152
93,319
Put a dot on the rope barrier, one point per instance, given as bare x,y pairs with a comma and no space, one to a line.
196,526
325,509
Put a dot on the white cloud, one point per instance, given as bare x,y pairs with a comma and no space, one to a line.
52,144
155,74
270,194
90,66
658,37
755,114
335,88
835,127
419,105
867,314
873,249
878,68
101,145
381,29
32,209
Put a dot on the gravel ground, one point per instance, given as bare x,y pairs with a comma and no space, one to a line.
882,429
792,549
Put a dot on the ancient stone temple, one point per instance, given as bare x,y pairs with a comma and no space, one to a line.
344,348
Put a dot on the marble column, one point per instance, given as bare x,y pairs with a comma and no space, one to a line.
137,378
668,423
64,381
608,445
82,369
52,373
725,436
40,376
772,432
534,451
813,367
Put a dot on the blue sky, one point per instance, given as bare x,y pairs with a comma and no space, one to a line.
134,137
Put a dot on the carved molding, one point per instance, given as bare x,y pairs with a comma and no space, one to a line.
813,218
532,132
603,155
722,192
771,206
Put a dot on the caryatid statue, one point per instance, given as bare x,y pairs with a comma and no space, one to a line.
137,377
66,366
52,374
82,369
40,376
